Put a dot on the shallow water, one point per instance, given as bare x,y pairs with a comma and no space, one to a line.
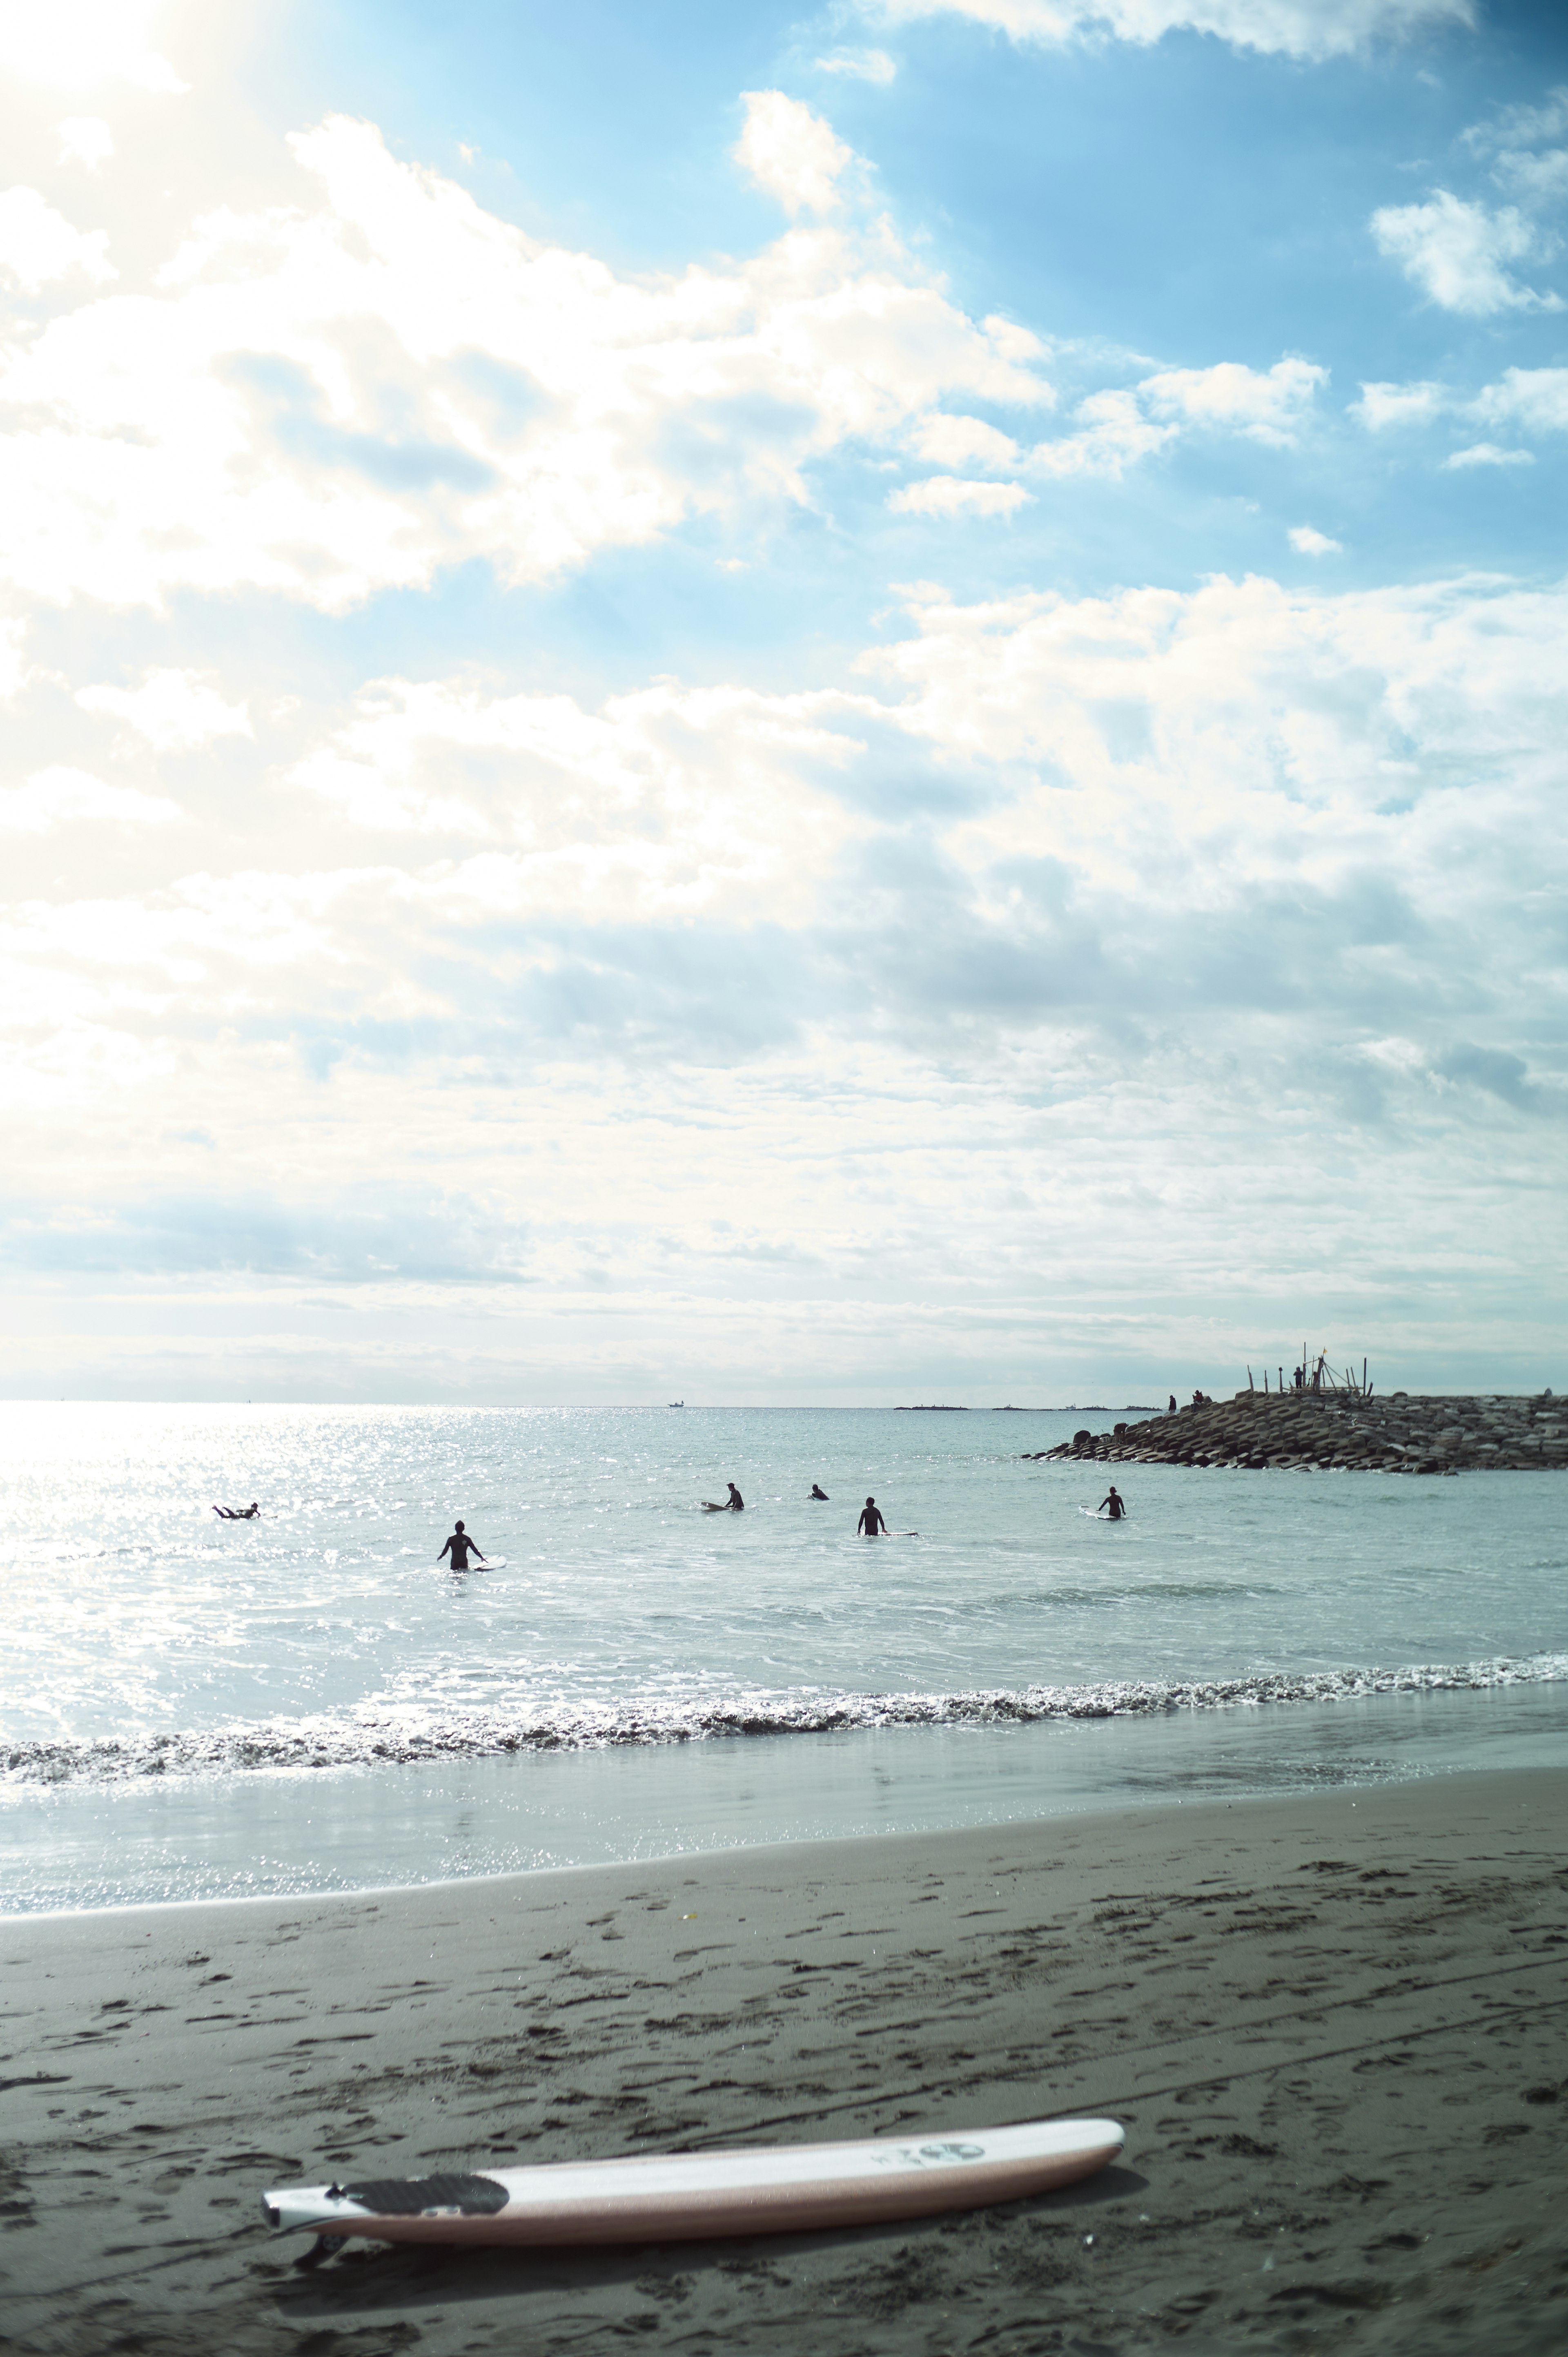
148,1645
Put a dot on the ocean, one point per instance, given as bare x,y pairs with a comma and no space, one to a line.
309,1701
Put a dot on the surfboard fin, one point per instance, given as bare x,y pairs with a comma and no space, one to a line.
326,2246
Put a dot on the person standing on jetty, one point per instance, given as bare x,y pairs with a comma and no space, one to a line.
1117,1503
873,1522
462,1547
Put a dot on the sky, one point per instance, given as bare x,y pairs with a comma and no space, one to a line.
748,705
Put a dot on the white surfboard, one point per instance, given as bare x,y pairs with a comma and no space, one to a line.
672,2197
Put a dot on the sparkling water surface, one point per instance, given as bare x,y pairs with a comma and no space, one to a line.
143,1636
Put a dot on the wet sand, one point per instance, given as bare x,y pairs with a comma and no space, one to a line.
1333,2027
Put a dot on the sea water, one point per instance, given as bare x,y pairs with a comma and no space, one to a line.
191,1706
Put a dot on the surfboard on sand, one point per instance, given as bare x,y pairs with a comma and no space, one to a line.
687,2195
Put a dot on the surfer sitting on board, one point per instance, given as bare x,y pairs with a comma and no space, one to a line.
462,1547
819,1492
1115,1501
872,1520
238,1513
733,1504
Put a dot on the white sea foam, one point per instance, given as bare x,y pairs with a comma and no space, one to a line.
412,1737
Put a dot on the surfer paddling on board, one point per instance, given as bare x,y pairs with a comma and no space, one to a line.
1115,1502
462,1547
819,1493
238,1513
873,1522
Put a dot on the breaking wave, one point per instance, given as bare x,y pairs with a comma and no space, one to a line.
372,1739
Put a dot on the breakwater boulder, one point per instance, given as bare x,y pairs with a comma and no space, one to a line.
1341,1431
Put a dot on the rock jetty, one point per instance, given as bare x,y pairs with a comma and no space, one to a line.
1340,1432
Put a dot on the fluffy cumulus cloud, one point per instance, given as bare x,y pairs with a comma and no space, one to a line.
1266,406
952,495
1533,399
174,710
1308,542
1401,404
1487,454
792,153
666,802
85,139
342,394
37,244
1457,252
1312,29
722,999
56,796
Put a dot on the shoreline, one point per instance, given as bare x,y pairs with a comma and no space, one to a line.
81,1849
1331,2024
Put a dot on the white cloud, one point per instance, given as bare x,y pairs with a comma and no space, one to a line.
963,442
85,139
1113,433
1539,180
949,495
174,710
791,152
81,45
1454,253
664,801
860,65
1308,542
1267,406
55,796
1519,126
1415,403
1487,454
1038,953
38,245
13,669
1534,399
1313,29
330,401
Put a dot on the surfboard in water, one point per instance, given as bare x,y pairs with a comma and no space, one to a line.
686,2196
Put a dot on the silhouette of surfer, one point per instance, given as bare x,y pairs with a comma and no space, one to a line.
1117,1503
873,1522
462,1547
819,1493
238,1513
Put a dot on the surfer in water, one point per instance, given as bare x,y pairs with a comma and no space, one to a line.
238,1513
462,1548
873,1522
1114,1505
819,1493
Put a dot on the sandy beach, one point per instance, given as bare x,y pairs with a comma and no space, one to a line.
1332,2026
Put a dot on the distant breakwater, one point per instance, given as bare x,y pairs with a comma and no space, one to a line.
1340,1431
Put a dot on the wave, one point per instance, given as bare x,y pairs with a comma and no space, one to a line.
368,1740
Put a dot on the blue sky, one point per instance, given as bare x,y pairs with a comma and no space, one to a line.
780,706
